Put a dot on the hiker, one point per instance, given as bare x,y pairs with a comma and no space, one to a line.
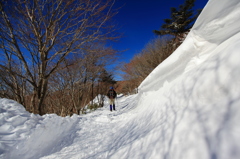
111,95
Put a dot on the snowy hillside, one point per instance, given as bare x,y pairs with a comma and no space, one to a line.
187,108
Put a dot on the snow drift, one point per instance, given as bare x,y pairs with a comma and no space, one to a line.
217,24
188,107
24,135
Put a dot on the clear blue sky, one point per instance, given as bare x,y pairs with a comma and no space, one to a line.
138,18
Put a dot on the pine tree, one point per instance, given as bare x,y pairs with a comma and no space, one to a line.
181,21
106,77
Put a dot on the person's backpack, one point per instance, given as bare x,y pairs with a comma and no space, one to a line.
111,93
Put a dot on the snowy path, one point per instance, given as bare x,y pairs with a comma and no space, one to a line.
30,136
95,132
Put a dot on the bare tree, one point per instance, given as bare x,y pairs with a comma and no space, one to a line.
75,83
142,64
42,33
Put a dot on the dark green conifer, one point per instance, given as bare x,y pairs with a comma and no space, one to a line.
181,21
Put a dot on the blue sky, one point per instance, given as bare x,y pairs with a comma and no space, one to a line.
138,18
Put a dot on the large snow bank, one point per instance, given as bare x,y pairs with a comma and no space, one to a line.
217,25
25,135
198,89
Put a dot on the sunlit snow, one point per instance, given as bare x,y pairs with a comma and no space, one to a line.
187,108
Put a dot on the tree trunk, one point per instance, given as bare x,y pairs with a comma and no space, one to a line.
42,90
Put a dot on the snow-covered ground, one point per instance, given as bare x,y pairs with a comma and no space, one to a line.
187,108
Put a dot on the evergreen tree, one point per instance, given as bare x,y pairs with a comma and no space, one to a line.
106,77
181,21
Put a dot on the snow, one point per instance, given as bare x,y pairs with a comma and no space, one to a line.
188,107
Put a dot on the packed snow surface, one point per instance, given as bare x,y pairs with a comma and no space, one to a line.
187,108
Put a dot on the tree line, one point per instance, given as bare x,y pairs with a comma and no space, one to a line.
169,37
53,54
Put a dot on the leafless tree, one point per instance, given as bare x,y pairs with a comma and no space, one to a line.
40,34
75,83
142,64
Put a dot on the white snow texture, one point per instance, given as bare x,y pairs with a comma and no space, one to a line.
187,108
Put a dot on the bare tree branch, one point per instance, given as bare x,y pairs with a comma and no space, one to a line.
42,33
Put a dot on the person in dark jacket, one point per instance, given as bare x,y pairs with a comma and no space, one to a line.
112,95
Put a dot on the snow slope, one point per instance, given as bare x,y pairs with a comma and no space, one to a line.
188,107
